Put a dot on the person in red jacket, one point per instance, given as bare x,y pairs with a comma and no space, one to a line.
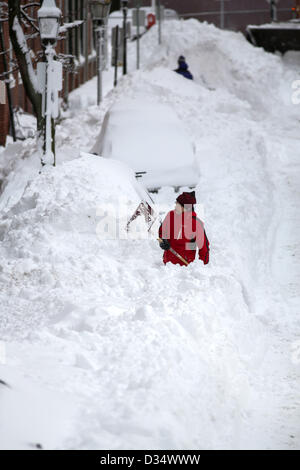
182,231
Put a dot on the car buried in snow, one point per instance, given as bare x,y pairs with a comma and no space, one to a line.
151,139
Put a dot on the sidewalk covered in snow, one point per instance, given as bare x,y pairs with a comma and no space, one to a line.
105,344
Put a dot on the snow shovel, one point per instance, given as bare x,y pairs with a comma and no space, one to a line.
176,254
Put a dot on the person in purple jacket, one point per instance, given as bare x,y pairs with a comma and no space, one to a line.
183,68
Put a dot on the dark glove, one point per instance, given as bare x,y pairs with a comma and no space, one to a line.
165,245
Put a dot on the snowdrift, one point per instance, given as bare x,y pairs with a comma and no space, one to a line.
220,60
102,320
49,239
62,205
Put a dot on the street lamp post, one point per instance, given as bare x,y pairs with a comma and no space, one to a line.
100,11
124,5
49,20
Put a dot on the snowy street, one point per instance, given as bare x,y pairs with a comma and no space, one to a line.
105,346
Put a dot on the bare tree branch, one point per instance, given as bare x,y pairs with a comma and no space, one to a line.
29,5
32,36
30,20
4,52
27,18
67,26
9,72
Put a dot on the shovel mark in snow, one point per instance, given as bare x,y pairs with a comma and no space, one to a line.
4,383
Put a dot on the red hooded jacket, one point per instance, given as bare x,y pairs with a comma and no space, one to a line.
185,232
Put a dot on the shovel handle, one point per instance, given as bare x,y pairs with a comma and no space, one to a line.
176,254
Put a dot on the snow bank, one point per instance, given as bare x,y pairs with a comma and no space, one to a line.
105,321
60,203
220,59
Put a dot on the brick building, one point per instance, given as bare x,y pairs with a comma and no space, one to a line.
78,41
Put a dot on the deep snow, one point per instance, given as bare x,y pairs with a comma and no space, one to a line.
108,348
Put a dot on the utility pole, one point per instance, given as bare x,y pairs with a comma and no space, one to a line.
159,21
116,54
273,10
99,35
124,4
138,8
222,13
100,11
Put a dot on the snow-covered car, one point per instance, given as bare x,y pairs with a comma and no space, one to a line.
151,139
